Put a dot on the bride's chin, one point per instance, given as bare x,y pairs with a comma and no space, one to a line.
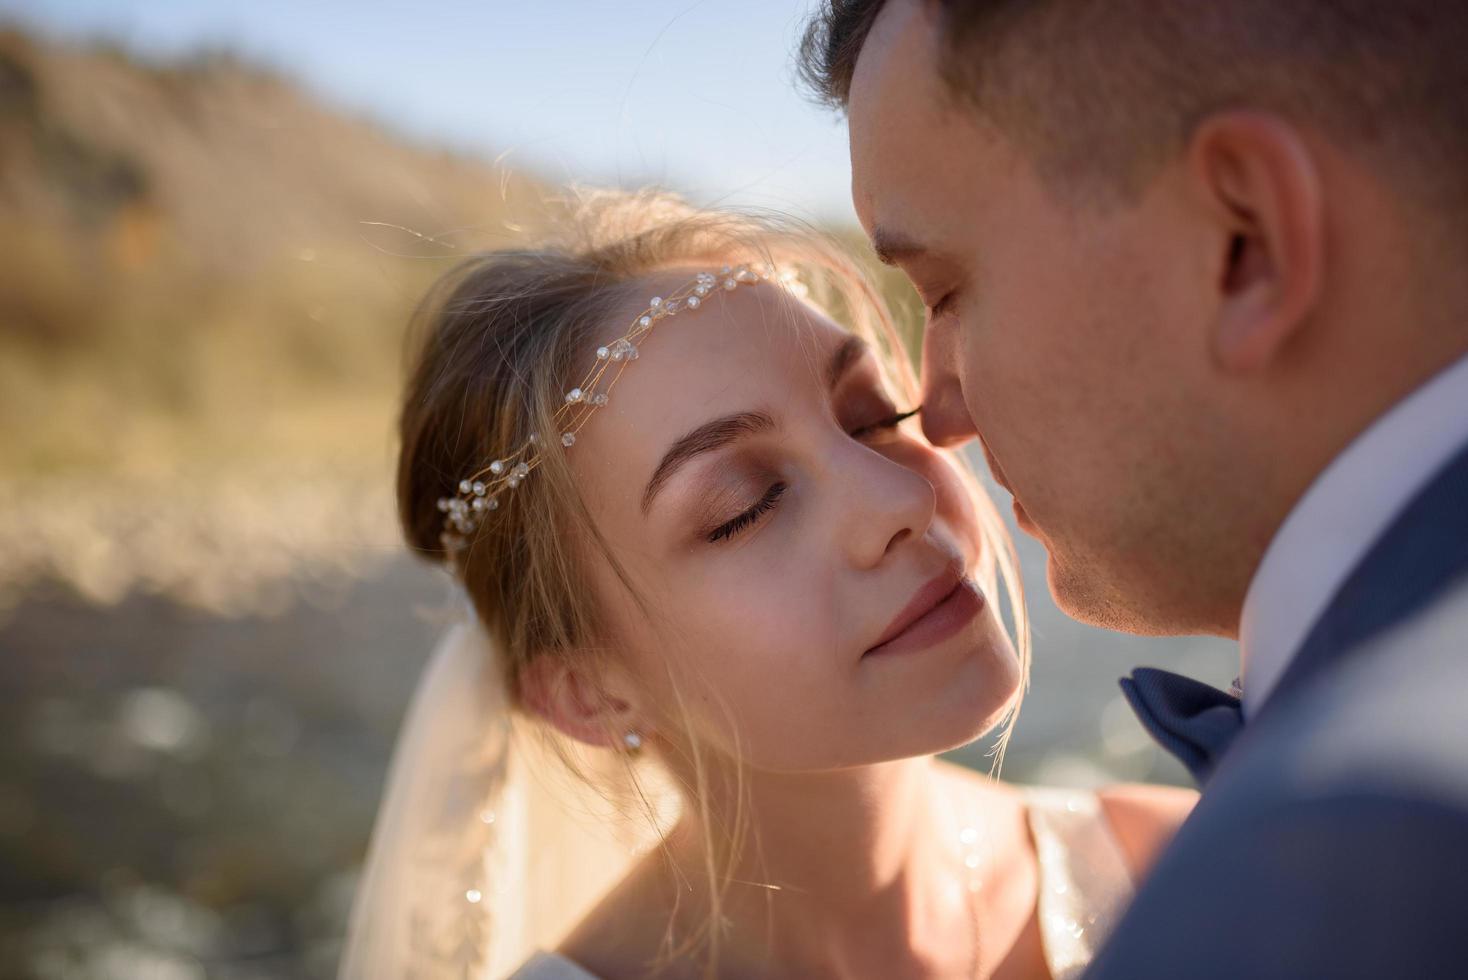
982,691
968,703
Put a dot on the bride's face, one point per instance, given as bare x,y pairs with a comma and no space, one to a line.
807,561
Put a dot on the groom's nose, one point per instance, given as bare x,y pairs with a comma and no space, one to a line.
946,421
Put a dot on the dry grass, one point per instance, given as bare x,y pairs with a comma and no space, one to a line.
201,311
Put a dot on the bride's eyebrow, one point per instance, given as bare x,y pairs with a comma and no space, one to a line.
705,439
852,349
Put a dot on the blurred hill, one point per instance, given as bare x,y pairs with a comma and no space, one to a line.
202,295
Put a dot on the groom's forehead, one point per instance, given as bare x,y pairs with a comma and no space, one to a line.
897,65
899,113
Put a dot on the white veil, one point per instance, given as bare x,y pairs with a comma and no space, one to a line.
473,863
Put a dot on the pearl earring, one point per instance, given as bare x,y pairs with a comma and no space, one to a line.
633,741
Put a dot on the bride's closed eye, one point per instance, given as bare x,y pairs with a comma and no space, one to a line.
748,518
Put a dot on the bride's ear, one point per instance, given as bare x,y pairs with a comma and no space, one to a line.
570,695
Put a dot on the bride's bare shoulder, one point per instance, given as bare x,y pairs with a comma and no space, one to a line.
1143,818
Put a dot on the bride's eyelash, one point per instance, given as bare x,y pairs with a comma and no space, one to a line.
766,503
890,422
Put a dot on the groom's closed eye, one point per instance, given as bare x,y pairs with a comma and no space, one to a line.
893,248
933,277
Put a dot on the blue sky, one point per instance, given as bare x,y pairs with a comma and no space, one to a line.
696,95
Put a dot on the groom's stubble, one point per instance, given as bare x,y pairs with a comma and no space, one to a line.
1082,324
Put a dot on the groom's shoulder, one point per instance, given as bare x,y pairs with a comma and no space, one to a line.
1393,720
1349,881
1390,727
1333,839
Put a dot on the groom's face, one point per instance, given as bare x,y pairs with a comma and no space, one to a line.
1066,336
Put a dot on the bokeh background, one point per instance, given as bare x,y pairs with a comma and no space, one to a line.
215,218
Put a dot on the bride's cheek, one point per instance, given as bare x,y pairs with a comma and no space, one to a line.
954,494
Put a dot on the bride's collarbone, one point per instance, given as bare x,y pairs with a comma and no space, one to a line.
626,934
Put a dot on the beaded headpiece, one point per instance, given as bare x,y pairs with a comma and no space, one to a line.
480,493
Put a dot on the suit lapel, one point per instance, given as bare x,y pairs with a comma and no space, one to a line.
1421,553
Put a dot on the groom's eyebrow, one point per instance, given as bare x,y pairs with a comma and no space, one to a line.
892,247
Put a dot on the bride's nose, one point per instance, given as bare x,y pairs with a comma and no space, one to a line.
883,504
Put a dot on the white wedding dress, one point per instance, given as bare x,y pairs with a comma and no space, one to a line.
1084,885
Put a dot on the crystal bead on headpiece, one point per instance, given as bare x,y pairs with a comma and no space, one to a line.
482,492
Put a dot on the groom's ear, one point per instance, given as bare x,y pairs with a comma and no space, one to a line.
571,695
1262,186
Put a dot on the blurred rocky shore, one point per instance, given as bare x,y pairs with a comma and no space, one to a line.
186,794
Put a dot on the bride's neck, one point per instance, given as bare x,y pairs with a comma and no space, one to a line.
834,862
851,830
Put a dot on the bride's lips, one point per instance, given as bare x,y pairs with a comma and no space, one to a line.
938,610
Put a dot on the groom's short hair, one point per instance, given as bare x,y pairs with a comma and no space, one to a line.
1104,91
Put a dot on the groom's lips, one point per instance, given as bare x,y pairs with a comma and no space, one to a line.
939,609
1021,516
995,469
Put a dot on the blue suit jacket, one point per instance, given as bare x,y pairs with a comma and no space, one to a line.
1332,840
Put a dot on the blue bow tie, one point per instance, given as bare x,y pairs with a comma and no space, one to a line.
1192,720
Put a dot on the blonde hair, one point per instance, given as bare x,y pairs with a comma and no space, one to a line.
495,344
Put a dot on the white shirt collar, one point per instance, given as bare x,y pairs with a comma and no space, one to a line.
1337,521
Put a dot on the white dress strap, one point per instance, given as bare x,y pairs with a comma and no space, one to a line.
1084,882
550,966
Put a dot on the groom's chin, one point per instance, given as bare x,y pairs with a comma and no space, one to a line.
1087,596
1108,599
